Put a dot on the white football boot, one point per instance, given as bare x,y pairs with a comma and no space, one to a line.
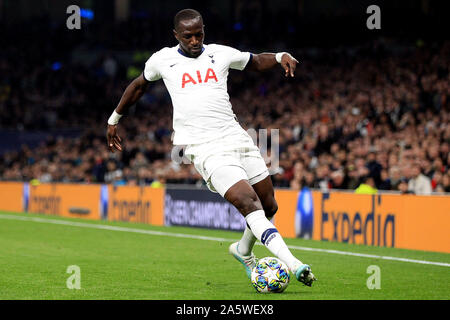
303,274
249,262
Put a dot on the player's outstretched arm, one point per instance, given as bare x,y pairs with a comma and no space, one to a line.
131,95
264,61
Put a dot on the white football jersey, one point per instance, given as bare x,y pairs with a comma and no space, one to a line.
198,88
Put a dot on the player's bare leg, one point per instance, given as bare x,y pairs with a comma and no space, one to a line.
265,193
244,197
242,250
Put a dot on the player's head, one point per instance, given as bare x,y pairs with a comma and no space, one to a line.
188,29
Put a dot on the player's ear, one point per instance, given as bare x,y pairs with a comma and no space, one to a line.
175,34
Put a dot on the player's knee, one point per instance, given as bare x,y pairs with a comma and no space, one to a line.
245,202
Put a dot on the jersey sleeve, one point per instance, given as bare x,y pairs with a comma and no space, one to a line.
151,72
238,59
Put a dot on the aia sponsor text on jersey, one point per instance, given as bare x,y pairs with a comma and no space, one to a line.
197,78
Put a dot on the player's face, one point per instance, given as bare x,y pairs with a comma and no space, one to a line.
190,35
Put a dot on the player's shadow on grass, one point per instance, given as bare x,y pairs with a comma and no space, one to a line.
287,292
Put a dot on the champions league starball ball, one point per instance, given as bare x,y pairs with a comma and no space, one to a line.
270,275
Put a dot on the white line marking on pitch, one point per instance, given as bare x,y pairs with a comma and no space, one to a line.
193,236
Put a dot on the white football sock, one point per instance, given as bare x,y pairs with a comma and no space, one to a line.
247,242
266,232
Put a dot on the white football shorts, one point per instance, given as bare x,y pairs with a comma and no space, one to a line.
227,160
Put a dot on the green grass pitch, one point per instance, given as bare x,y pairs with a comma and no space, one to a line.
35,255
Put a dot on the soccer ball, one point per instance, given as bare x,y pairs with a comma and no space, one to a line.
270,275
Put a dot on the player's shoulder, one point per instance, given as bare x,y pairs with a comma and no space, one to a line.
164,53
214,47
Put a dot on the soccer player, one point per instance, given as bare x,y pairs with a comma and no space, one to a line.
225,155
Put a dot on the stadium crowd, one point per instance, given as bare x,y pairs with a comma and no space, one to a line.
376,115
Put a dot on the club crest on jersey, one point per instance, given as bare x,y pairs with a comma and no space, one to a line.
187,78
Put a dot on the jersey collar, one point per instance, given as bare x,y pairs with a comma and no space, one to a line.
184,55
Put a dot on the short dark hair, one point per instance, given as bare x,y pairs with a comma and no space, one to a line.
185,14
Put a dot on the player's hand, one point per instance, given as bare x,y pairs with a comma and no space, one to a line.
289,63
113,138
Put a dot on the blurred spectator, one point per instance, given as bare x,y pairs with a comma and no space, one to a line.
436,180
419,183
367,186
403,186
385,181
337,179
395,178
113,174
446,182
160,180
